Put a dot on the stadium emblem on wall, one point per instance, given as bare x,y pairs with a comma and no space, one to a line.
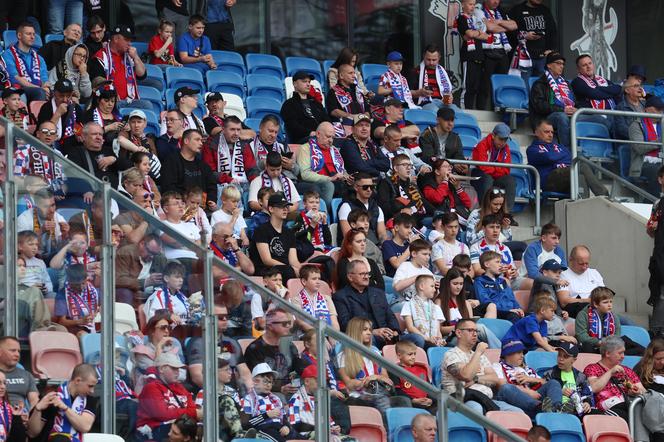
447,11
599,36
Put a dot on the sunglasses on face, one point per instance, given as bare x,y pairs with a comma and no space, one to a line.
48,131
367,187
147,195
222,317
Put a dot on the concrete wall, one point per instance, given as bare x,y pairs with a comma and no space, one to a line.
620,247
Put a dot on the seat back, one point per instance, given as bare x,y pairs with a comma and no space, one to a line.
244,343
141,47
637,334
265,64
258,107
91,348
492,354
295,286
563,427
603,428
422,118
515,152
335,204
589,148
518,423
125,318
463,429
499,327
371,72
53,37
522,296
235,106
177,77
9,37
436,355
468,143
540,360
398,422
225,82
54,354
509,91
585,359
155,72
262,85
230,61
624,160
631,361
154,96
306,64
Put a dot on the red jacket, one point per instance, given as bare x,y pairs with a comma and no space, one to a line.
482,152
437,193
158,403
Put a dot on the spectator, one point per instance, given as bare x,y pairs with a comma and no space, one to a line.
73,66
493,203
404,279
168,144
538,252
63,111
183,429
77,303
32,167
611,382
538,433
134,273
163,399
492,228
134,140
473,32
46,222
312,301
537,35
312,226
532,331
553,163
177,13
445,249
393,84
398,193
359,219
359,152
424,428
633,101
649,369
582,280
169,296
394,117
225,156
231,212
494,148
14,109
103,110
353,248
406,353
275,177
186,101
96,158
263,215
321,164
272,281
440,142
644,159
350,57
256,150
220,27
496,48
119,61
54,51
548,284
13,425
492,287
392,137
217,118
592,90
26,68
575,384
655,228
395,250
423,318
432,81
161,49
345,100
96,30
364,199
185,171
301,113
21,385
194,48
441,191
69,412
225,246
157,340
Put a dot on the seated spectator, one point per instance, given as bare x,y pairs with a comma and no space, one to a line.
553,163
359,299
441,191
231,212
493,202
548,284
46,222
393,84
321,164
353,248
350,57
14,109
161,49
63,111
169,296
612,383
273,243
134,274
36,274
649,370
582,280
301,113
73,66
423,427
463,264
163,399
54,51
21,385
26,68
312,225
76,251
217,118
263,215
77,303
492,287
183,429
275,177
133,139
225,155
309,356
406,352
633,100
403,282
32,312
423,318
13,427
103,110
174,209
366,199
359,219
168,143
255,151
360,153
121,63
394,117
225,246
346,99
644,159
194,48
445,249
538,252
398,192
157,340
186,100
96,158
434,88
395,250
312,301
592,90
194,213
392,146
69,412
440,141
495,148
272,281
96,36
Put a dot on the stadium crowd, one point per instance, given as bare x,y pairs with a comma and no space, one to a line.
360,220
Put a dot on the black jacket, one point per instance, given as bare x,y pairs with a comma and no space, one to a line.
431,146
298,123
349,305
180,175
535,19
87,160
542,102
53,51
387,194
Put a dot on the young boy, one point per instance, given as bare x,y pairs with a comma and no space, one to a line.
169,296
262,409
576,389
492,287
543,250
230,212
272,280
309,356
312,301
14,110
161,48
262,216
36,274
194,48
359,219
393,84
75,252
173,206
406,352
77,304
395,250
548,284
444,250
194,213
311,224
403,282
423,317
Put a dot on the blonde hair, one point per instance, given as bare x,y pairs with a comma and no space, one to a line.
231,193
354,361
132,175
646,367
542,301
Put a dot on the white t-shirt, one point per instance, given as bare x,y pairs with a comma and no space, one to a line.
257,183
405,271
188,230
25,222
429,312
543,257
581,285
446,251
219,216
345,209
482,246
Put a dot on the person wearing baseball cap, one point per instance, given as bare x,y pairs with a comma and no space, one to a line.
214,122
494,148
451,147
186,100
119,61
63,111
134,139
644,160
394,115
393,84
360,153
302,113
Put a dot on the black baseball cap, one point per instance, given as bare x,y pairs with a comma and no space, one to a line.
64,86
554,56
655,101
552,264
185,91
213,96
394,102
301,75
569,348
125,30
278,200
6,93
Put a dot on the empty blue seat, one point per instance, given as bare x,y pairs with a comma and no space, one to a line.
637,334
499,327
372,72
261,85
539,360
631,361
465,123
563,427
91,348
389,284
9,37
53,37
436,355
258,107
422,118
327,64
594,149
398,422
468,142
462,429
531,81
177,77
306,64
230,61
509,91
265,64
523,187
152,95
225,82
154,72
141,47
253,123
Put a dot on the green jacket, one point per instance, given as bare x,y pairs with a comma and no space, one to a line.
581,327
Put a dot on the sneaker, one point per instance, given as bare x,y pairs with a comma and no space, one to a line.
547,405
568,407
250,433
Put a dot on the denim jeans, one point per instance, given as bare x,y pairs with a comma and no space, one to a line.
511,394
63,12
35,94
414,338
536,69
504,406
325,190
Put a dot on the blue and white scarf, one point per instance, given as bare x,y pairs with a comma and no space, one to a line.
61,425
492,43
317,160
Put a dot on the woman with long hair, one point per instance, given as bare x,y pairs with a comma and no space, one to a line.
12,428
492,203
650,370
353,248
351,57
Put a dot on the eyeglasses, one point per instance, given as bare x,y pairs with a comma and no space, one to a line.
173,120
282,323
498,191
48,131
472,331
222,317
362,274
368,187
117,232
81,55
147,195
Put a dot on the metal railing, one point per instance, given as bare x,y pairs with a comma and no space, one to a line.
616,178
574,176
211,415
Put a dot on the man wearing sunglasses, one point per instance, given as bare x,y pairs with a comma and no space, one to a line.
364,199
133,266
360,153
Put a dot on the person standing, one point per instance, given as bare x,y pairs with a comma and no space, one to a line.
655,229
62,13
175,11
220,28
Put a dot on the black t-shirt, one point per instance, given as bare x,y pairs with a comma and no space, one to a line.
278,243
466,55
281,358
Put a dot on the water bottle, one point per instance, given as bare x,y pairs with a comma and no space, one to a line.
576,399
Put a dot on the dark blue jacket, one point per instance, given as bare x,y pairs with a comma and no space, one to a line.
585,93
349,305
546,157
497,291
350,151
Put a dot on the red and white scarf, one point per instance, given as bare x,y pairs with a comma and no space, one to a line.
521,58
260,150
225,157
283,179
560,89
106,61
317,237
444,84
345,98
317,160
399,86
34,75
593,83
652,131
82,304
6,416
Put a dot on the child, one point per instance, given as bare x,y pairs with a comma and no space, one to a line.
444,250
173,206
194,48
395,250
32,311
14,110
161,49
311,225
403,282
36,274
472,31
76,252
406,352
262,216
230,212
423,317
168,296
309,356
359,219
575,384
463,264
272,280
492,287
437,233
312,301
77,304
540,251
548,284
194,213
144,163
262,409
597,321
392,83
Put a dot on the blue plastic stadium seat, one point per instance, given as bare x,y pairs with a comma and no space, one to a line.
225,82
265,64
422,118
177,77
53,37
523,187
594,149
141,47
258,107
253,123
637,334
531,81
155,72
465,123
229,61
436,355
261,85
153,125
563,427
468,142
309,65
152,95
9,38
170,102
539,360
398,423
631,361
336,203
509,91
388,280
372,72
327,64
91,348
515,152
462,429
499,327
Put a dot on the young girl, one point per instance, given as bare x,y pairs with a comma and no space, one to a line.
161,48
143,162
423,317
354,247
231,212
448,247
492,203
194,213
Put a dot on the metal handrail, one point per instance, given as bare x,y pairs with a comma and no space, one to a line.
642,193
574,175
631,414
533,169
210,384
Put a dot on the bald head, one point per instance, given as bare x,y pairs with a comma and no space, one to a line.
346,75
424,428
325,134
579,259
